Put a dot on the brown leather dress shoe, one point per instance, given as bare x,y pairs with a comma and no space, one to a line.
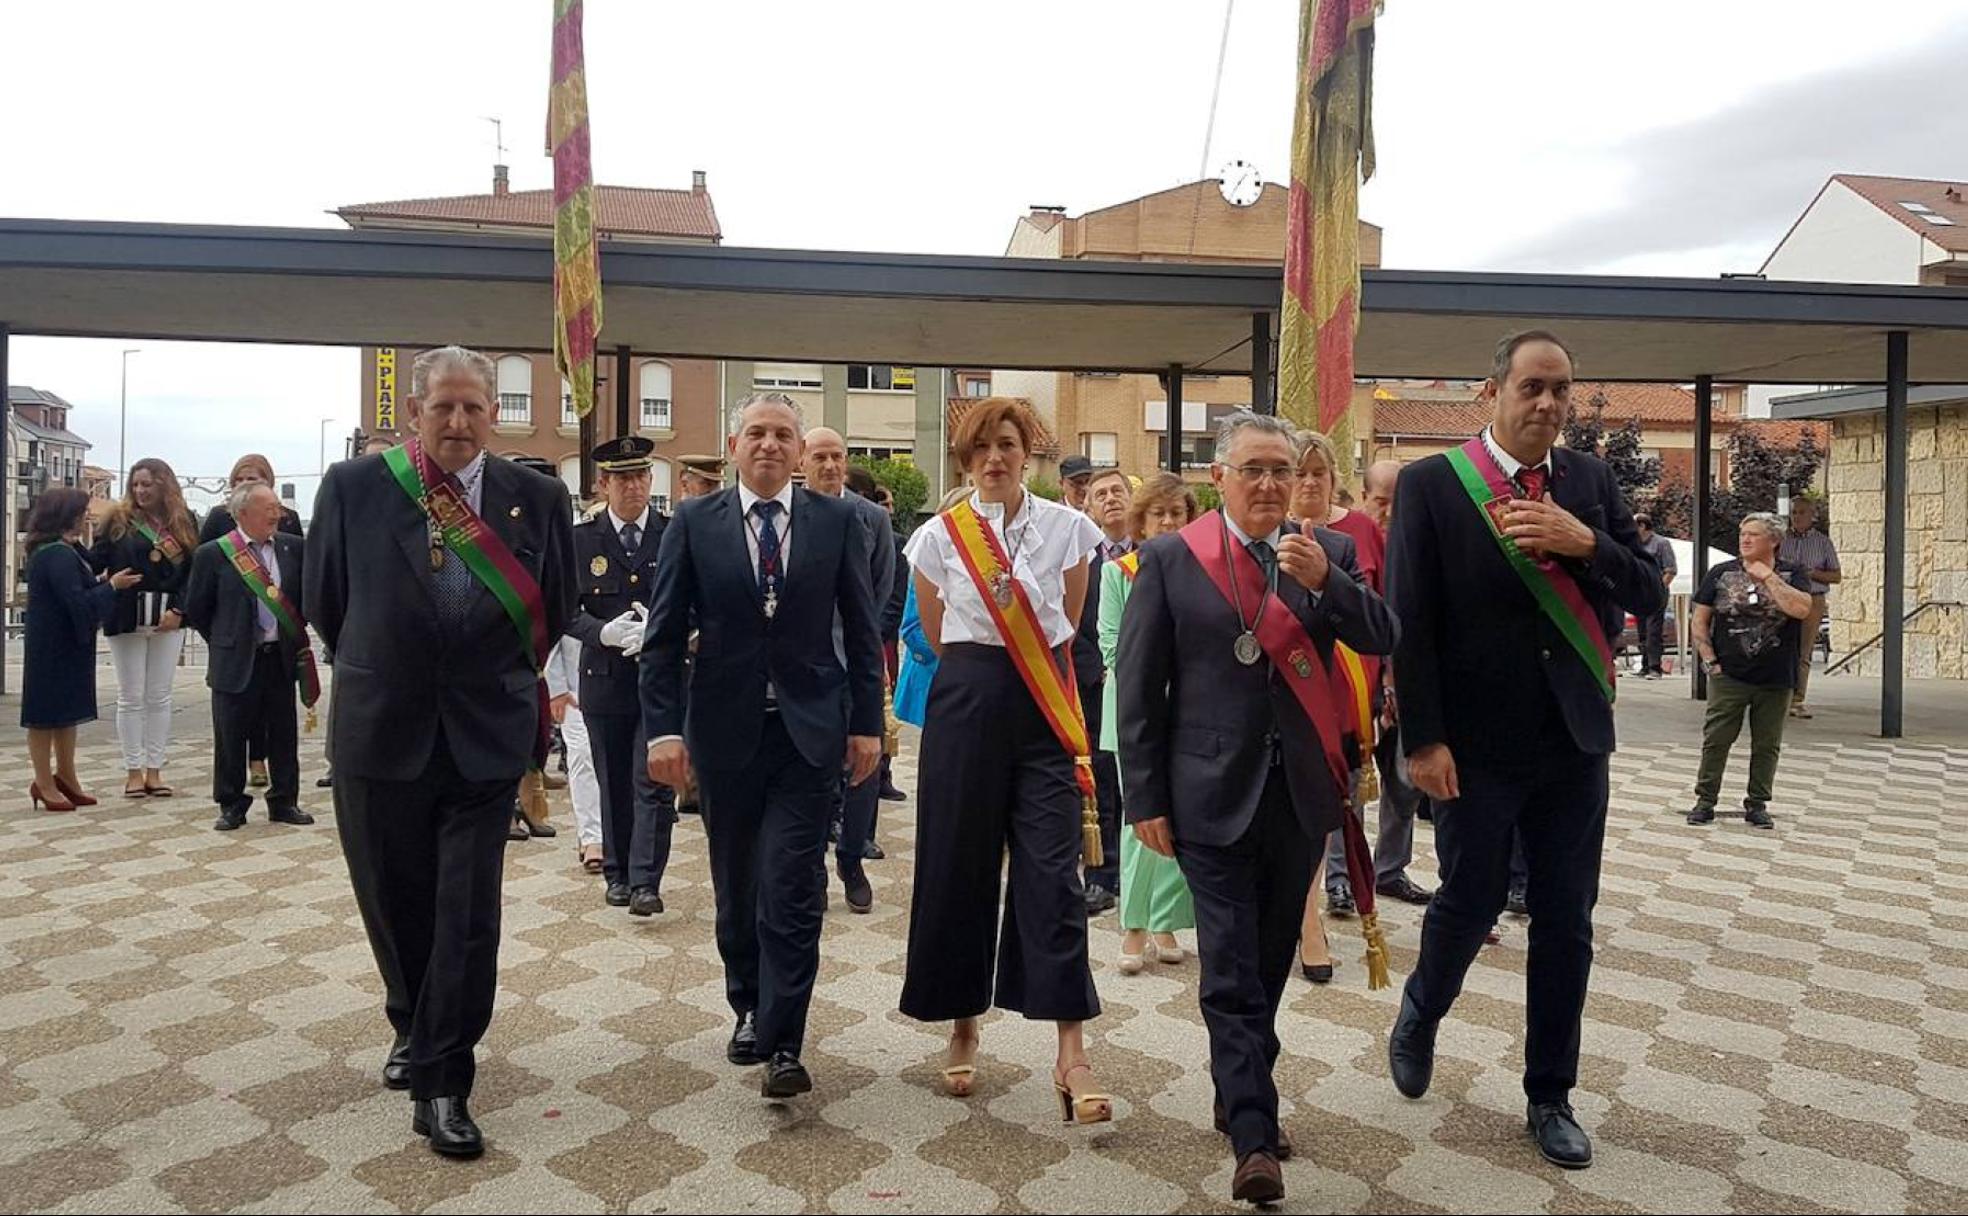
1258,1180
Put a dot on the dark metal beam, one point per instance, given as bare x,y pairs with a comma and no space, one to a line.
1261,400
1173,423
1704,437
6,500
1892,649
624,393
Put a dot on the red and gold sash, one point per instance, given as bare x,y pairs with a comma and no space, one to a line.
237,547
1296,660
1057,695
162,544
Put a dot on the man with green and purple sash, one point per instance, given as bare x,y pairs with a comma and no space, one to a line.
1507,561
440,575
243,597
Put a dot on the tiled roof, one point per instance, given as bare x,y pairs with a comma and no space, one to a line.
960,406
1781,433
619,210
1946,199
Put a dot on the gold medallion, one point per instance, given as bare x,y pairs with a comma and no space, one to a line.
599,566
437,558
157,555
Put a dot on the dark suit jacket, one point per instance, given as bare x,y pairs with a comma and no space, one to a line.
400,675
1481,668
1196,727
898,591
705,576
879,533
609,677
1089,668
218,605
131,551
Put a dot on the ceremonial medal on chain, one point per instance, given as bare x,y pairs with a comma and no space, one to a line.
1001,590
157,555
1246,648
771,602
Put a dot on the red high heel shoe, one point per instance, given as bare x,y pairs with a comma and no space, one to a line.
73,793
42,800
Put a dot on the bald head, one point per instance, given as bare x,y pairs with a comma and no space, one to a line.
1380,490
825,462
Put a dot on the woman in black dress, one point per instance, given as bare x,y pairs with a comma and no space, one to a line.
65,606
250,468
150,532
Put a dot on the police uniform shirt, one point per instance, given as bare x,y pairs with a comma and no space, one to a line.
1044,540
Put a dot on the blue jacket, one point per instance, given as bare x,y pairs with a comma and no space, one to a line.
918,666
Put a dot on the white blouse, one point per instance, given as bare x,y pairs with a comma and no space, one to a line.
1044,540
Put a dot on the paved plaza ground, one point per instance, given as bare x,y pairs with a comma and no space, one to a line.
190,1021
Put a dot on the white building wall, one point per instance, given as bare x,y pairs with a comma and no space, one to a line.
1843,238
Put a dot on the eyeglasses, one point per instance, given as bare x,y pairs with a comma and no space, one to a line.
1252,474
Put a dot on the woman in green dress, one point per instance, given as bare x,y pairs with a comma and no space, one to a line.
1154,897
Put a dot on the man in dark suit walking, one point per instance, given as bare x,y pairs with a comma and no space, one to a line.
1508,557
440,575
1230,748
243,598
615,559
774,714
1108,496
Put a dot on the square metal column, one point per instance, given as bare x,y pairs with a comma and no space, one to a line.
1892,649
1173,423
1704,436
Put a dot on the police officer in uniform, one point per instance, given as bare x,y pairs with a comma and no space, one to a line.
615,554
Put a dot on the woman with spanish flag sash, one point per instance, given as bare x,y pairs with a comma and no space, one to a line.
1006,763
1507,557
1154,898
1231,754
150,532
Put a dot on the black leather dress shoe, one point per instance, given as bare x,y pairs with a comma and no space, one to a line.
1756,815
1411,1051
617,895
1340,903
517,830
1099,899
890,794
230,821
293,814
873,852
1701,815
396,1069
1403,888
645,901
860,893
324,781
1559,1137
1518,902
449,1126
744,1046
785,1077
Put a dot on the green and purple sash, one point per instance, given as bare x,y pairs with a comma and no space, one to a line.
164,545
236,545
474,542
1556,592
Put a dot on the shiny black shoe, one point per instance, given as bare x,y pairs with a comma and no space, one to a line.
1756,815
890,794
1518,903
1403,888
1339,902
517,831
1411,1050
645,901
873,852
1099,899
1701,815
744,1046
293,814
449,1126
617,895
785,1077
860,893
396,1068
230,821
324,781
1560,1139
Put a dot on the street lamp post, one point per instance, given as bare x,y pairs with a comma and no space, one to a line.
123,424
325,424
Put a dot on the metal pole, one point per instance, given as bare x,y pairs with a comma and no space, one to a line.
1261,402
623,389
323,429
1173,423
1892,650
1704,432
8,539
123,425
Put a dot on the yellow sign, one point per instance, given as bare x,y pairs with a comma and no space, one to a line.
902,377
386,388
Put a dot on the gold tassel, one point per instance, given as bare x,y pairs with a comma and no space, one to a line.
1090,850
1376,960
1369,784
533,796
310,720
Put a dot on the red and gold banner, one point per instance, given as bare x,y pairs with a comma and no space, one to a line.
1332,152
577,259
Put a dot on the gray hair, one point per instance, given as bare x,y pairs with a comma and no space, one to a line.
1236,423
444,359
1769,521
1506,351
767,398
242,497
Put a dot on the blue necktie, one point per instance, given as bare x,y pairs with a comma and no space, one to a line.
1267,559
631,538
767,510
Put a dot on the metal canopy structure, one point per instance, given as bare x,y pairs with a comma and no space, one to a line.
352,288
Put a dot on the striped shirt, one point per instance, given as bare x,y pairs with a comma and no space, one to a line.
1809,551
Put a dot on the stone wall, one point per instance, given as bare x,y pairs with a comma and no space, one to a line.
1937,537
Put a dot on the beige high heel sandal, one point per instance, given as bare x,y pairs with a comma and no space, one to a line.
1081,1108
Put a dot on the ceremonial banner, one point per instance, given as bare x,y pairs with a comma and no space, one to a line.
577,260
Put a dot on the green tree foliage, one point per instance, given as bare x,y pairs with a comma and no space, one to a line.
909,484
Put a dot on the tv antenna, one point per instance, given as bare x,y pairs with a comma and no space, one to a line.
499,138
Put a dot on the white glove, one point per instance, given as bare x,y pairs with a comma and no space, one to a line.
624,633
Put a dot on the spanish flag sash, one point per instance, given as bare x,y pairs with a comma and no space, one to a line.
1296,661
237,547
1057,695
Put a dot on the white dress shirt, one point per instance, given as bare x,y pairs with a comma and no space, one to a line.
264,554
1510,465
1044,540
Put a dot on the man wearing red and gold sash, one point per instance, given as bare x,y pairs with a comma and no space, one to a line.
1229,738
1507,558
243,598
440,575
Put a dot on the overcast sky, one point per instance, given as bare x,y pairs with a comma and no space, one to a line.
1672,137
